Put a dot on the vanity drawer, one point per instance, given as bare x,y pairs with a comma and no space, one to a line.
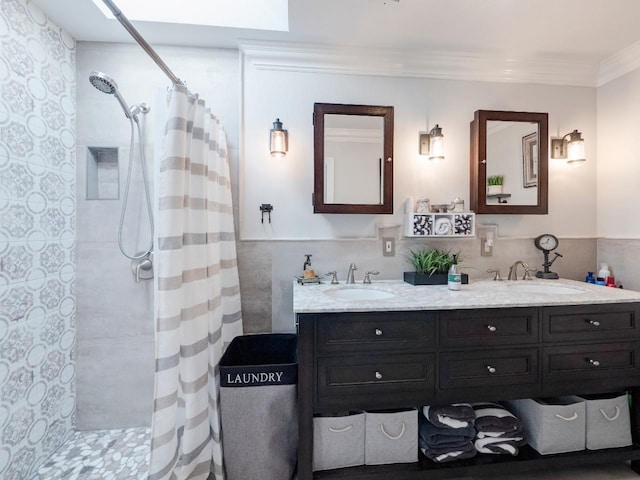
461,328
375,332
601,363
375,381
590,322
492,368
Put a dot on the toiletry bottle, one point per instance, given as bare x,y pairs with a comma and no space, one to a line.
604,271
455,277
590,278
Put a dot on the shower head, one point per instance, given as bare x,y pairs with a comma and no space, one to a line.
103,83
108,85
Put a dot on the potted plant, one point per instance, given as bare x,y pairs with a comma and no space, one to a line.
431,267
494,184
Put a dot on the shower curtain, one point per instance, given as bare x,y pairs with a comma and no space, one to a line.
198,294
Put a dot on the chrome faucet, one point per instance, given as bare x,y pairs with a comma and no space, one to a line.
513,270
350,278
144,265
367,278
497,277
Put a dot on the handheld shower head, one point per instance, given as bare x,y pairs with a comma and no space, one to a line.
108,85
103,83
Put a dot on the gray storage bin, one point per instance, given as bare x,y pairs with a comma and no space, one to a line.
554,425
608,421
391,437
258,408
338,441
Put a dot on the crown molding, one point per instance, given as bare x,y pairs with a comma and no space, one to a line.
313,58
619,64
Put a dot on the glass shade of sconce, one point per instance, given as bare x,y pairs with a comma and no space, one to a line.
279,142
570,147
432,144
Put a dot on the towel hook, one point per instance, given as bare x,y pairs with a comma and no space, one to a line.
266,208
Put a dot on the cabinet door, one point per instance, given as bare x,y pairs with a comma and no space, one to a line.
375,332
509,326
375,381
591,322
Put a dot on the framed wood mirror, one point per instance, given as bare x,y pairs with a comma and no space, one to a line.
353,159
510,149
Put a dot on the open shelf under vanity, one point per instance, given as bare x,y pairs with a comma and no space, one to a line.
527,460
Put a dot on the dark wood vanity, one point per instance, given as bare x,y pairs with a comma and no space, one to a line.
395,359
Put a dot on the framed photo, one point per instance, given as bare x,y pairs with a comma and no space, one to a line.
530,160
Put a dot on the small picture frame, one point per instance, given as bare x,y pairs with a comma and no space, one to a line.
530,160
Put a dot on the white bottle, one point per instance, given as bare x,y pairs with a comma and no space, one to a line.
454,278
604,271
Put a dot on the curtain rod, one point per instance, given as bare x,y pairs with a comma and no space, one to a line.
124,21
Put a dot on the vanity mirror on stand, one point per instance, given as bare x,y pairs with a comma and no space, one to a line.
353,159
512,145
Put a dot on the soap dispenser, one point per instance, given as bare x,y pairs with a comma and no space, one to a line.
454,278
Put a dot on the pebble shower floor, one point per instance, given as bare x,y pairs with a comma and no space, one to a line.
100,455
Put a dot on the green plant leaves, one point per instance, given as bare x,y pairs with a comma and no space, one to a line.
495,180
431,260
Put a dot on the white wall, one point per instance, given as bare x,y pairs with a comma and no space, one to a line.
419,104
618,185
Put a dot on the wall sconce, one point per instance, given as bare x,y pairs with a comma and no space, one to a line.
432,144
572,149
279,143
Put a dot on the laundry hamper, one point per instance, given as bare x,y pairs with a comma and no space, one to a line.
258,380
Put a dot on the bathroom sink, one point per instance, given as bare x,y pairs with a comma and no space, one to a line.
537,288
358,293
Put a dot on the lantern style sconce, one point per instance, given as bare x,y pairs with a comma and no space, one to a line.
432,144
279,143
569,147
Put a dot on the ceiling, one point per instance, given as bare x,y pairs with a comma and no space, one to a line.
587,31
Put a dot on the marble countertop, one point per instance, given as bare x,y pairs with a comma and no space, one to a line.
320,298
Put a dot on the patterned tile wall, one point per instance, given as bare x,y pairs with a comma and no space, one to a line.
37,237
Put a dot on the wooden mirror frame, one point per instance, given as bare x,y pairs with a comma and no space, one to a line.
478,178
319,205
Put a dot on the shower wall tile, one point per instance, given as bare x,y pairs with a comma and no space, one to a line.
122,308
104,379
37,238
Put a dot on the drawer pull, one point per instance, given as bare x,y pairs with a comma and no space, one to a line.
491,369
567,419
391,437
492,328
340,430
593,362
378,332
378,376
611,419
595,323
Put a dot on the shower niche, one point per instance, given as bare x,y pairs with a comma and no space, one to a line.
103,175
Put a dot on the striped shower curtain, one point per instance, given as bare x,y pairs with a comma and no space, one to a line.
198,295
